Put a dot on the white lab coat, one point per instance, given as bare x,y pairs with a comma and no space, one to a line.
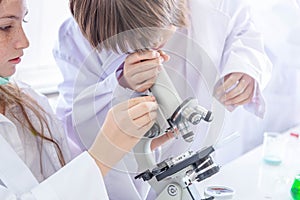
282,93
222,28
275,20
21,175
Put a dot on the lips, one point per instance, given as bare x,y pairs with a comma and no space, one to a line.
15,60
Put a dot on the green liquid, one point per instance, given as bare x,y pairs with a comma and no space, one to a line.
295,190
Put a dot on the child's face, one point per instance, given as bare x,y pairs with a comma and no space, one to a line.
12,37
165,36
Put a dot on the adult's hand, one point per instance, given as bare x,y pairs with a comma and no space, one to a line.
237,89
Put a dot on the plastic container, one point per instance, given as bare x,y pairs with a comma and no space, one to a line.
219,192
273,146
293,150
295,190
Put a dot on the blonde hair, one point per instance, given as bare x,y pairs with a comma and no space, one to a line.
103,21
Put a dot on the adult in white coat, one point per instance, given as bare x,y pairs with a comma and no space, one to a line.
33,147
282,95
92,79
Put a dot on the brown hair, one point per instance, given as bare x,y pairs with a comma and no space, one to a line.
12,99
102,20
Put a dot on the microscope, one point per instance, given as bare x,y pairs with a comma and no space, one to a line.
173,177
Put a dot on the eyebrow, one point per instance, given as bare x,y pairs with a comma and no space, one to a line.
9,17
13,16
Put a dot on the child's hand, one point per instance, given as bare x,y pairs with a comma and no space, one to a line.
141,69
124,125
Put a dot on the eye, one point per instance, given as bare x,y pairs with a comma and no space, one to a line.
5,28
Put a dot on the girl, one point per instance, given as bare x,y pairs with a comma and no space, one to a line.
33,149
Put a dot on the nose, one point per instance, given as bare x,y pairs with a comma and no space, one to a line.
21,39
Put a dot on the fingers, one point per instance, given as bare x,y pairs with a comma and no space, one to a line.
229,82
138,111
164,55
145,122
161,140
141,69
135,101
127,105
143,115
142,109
140,76
144,74
241,99
131,119
237,89
145,66
145,85
140,56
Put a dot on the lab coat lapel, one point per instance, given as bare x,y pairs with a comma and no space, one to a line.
10,133
14,173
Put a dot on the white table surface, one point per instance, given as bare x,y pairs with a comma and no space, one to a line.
252,179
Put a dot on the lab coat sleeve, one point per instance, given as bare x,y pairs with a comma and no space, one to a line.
70,52
244,51
79,179
89,86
